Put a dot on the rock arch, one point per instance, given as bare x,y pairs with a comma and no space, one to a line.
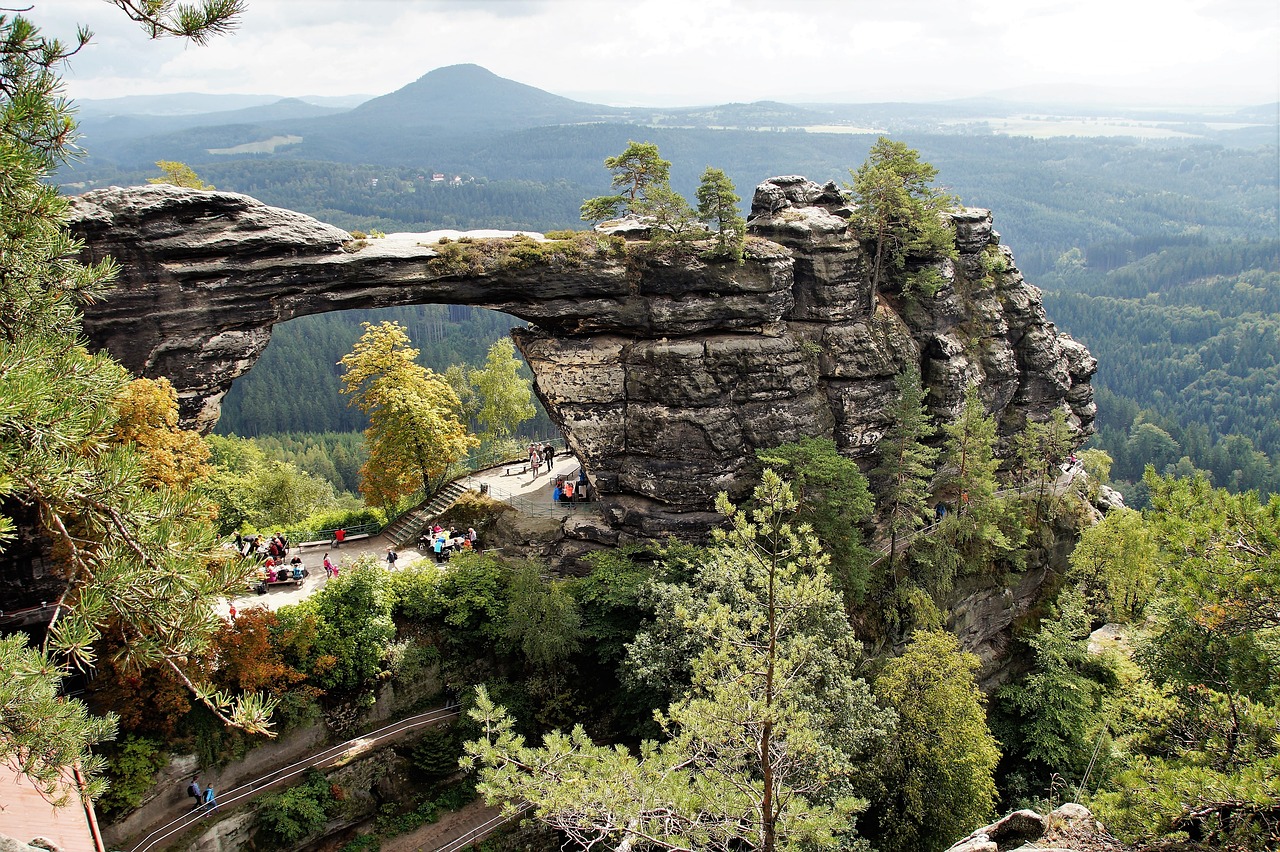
665,371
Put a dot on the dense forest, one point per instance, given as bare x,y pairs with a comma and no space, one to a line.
294,387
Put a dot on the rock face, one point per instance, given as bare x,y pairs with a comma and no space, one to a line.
665,370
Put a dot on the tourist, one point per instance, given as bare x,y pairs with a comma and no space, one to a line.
329,570
232,612
194,791
391,557
210,803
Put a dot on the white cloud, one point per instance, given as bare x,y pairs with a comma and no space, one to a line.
703,51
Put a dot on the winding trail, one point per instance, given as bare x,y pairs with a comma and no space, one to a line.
324,758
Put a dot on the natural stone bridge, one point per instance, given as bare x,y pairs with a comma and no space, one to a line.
665,371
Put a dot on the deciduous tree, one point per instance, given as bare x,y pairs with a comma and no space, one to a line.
179,174
936,777
505,397
415,433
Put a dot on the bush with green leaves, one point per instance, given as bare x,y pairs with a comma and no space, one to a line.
298,812
132,764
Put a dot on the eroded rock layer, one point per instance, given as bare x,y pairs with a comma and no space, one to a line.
666,371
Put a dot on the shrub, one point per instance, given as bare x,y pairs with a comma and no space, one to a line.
295,813
131,766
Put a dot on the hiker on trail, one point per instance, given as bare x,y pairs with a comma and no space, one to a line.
233,612
210,803
194,791
391,557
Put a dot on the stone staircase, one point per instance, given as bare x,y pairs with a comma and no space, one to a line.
406,528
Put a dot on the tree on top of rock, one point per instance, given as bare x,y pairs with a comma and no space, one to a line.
898,211
636,171
718,207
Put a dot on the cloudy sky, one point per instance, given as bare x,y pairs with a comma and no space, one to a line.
688,52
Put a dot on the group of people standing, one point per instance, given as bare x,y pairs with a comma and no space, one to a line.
541,455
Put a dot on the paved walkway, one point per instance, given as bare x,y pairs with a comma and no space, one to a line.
500,486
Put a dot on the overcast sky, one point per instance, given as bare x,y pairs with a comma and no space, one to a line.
689,52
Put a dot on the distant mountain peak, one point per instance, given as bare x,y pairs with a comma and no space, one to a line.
471,96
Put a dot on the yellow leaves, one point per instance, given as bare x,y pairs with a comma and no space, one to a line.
148,418
415,432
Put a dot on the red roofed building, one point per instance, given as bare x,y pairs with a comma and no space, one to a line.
25,815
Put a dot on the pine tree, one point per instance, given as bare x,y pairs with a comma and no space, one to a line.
636,171
898,211
718,207
763,749
906,462
137,553
982,526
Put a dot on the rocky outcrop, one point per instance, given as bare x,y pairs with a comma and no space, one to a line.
1069,828
666,370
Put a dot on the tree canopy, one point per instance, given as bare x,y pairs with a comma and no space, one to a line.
898,210
763,749
415,432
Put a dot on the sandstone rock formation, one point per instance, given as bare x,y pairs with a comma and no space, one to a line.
1068,828
666,371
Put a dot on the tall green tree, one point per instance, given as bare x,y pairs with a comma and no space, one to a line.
832,497
906,461
898,211
764,749
136,553
415,434
1039,448
936,777
983,526
718,207
636,171
504,397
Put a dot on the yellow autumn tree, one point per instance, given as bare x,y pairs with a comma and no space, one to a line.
415,433
179,174
171,456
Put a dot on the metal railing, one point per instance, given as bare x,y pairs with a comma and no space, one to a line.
483,830
543,506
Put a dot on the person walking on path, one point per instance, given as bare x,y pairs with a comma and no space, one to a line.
329,570
194,791
391,557
210,803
